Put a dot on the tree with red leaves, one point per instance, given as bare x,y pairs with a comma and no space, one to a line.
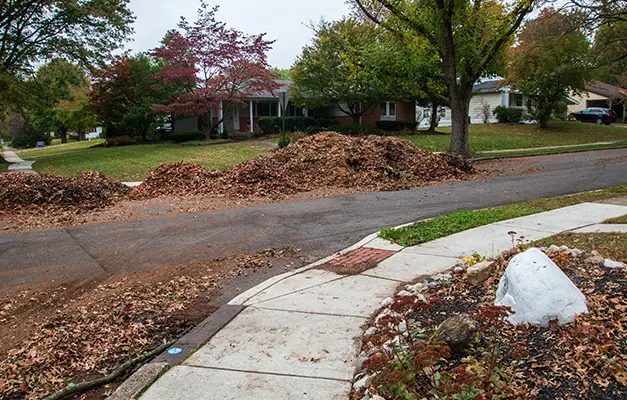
214,66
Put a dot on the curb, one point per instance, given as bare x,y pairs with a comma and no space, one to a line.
544,154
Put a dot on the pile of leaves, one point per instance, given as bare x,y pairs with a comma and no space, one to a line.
89,191
89,334
583,360
319,161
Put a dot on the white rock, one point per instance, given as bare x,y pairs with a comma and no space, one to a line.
417,288
613,264
359,364
443,277
433,285
553,249
576,252
377,397
404,293
371,331
538,291
387,302
459,270
564,249
360,384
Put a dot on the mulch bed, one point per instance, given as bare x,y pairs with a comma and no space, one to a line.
583,360
52,337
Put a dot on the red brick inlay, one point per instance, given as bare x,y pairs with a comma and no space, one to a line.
357,261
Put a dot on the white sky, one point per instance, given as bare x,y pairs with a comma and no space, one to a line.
283,20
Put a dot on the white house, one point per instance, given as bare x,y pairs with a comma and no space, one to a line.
487,96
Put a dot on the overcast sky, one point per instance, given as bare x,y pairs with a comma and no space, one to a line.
283,21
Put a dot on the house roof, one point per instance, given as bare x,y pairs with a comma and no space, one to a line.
607,90
489,86
274,94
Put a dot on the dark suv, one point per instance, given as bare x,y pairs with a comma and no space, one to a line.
599,116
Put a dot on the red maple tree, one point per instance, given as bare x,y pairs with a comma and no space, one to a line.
212,65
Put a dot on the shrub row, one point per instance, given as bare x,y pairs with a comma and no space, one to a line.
508,114
180,137
272,125
30,138
397,125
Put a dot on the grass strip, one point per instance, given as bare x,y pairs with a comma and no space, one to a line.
619,220
445,225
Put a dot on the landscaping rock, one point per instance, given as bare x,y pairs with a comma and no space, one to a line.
443,277
459,270
564,249
538,291
418,288
457,331
553,249
613,264
595,260
359,364
371,331
387,302
481,272
576,252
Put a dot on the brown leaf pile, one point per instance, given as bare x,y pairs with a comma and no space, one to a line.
89,191
320,161
89,334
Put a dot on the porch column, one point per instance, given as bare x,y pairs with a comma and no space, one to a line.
278,106
250,112
221,117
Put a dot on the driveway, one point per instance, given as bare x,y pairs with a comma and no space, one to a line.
318,227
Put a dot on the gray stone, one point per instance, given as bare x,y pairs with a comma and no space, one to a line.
140,380
613,264
481,272
434,285
564,249
443,277
457,331
553,249
404,293
417,288
595,260
387,302
576,252
364,382
371,331
459,270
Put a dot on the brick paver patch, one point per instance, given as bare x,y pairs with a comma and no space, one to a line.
357,261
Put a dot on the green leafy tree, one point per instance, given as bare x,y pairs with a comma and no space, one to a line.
469,37
38,30
549,62
282,74
333,72
76,112
50,85
124,93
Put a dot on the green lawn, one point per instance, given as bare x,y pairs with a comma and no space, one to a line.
133,163
445,225
485,137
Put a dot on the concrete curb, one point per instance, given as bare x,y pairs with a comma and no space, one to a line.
545,154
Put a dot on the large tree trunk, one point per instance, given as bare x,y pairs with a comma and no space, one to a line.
460,104
62,131
433,124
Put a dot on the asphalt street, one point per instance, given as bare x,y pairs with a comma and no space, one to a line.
318,227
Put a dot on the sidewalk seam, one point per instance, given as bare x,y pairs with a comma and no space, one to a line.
268,373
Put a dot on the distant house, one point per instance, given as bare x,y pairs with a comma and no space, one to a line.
487,96
244,117
603,95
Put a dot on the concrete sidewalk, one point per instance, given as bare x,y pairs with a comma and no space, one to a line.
297,336
17,164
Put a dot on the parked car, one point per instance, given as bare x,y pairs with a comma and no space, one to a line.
167,128
599,116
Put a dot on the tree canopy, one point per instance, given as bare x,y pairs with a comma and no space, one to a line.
550,61
470,37
212,64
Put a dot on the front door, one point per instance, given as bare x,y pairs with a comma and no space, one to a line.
231,122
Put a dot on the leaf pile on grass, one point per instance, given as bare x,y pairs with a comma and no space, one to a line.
91,333
319,161
89,191
582,360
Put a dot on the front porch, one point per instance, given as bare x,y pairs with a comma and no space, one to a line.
244,117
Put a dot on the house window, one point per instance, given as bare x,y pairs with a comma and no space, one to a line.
266,109
293,111
388,110
516,100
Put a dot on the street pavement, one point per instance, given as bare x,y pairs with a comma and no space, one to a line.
317,227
